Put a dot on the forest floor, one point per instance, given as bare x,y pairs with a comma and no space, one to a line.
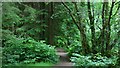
64,60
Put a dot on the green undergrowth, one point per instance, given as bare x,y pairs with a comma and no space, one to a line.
94,61
27,51
31,65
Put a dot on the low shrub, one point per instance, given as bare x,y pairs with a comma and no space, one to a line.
93,61
20,50
74,48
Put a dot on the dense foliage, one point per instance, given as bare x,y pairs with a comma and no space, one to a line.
85,31
19,43
20,50
89,31
94,61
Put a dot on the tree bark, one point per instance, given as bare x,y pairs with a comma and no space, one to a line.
109,29
50,24
42,18
91,18
81,28
102,39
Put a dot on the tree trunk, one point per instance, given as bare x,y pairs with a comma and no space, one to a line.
91,18
84,41
80,26
42,18
109,29
50,24
102,39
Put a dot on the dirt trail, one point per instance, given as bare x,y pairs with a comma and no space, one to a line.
64,60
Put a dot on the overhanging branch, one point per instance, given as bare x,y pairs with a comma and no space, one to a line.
71,15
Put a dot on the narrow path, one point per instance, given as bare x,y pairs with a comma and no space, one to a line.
64,60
